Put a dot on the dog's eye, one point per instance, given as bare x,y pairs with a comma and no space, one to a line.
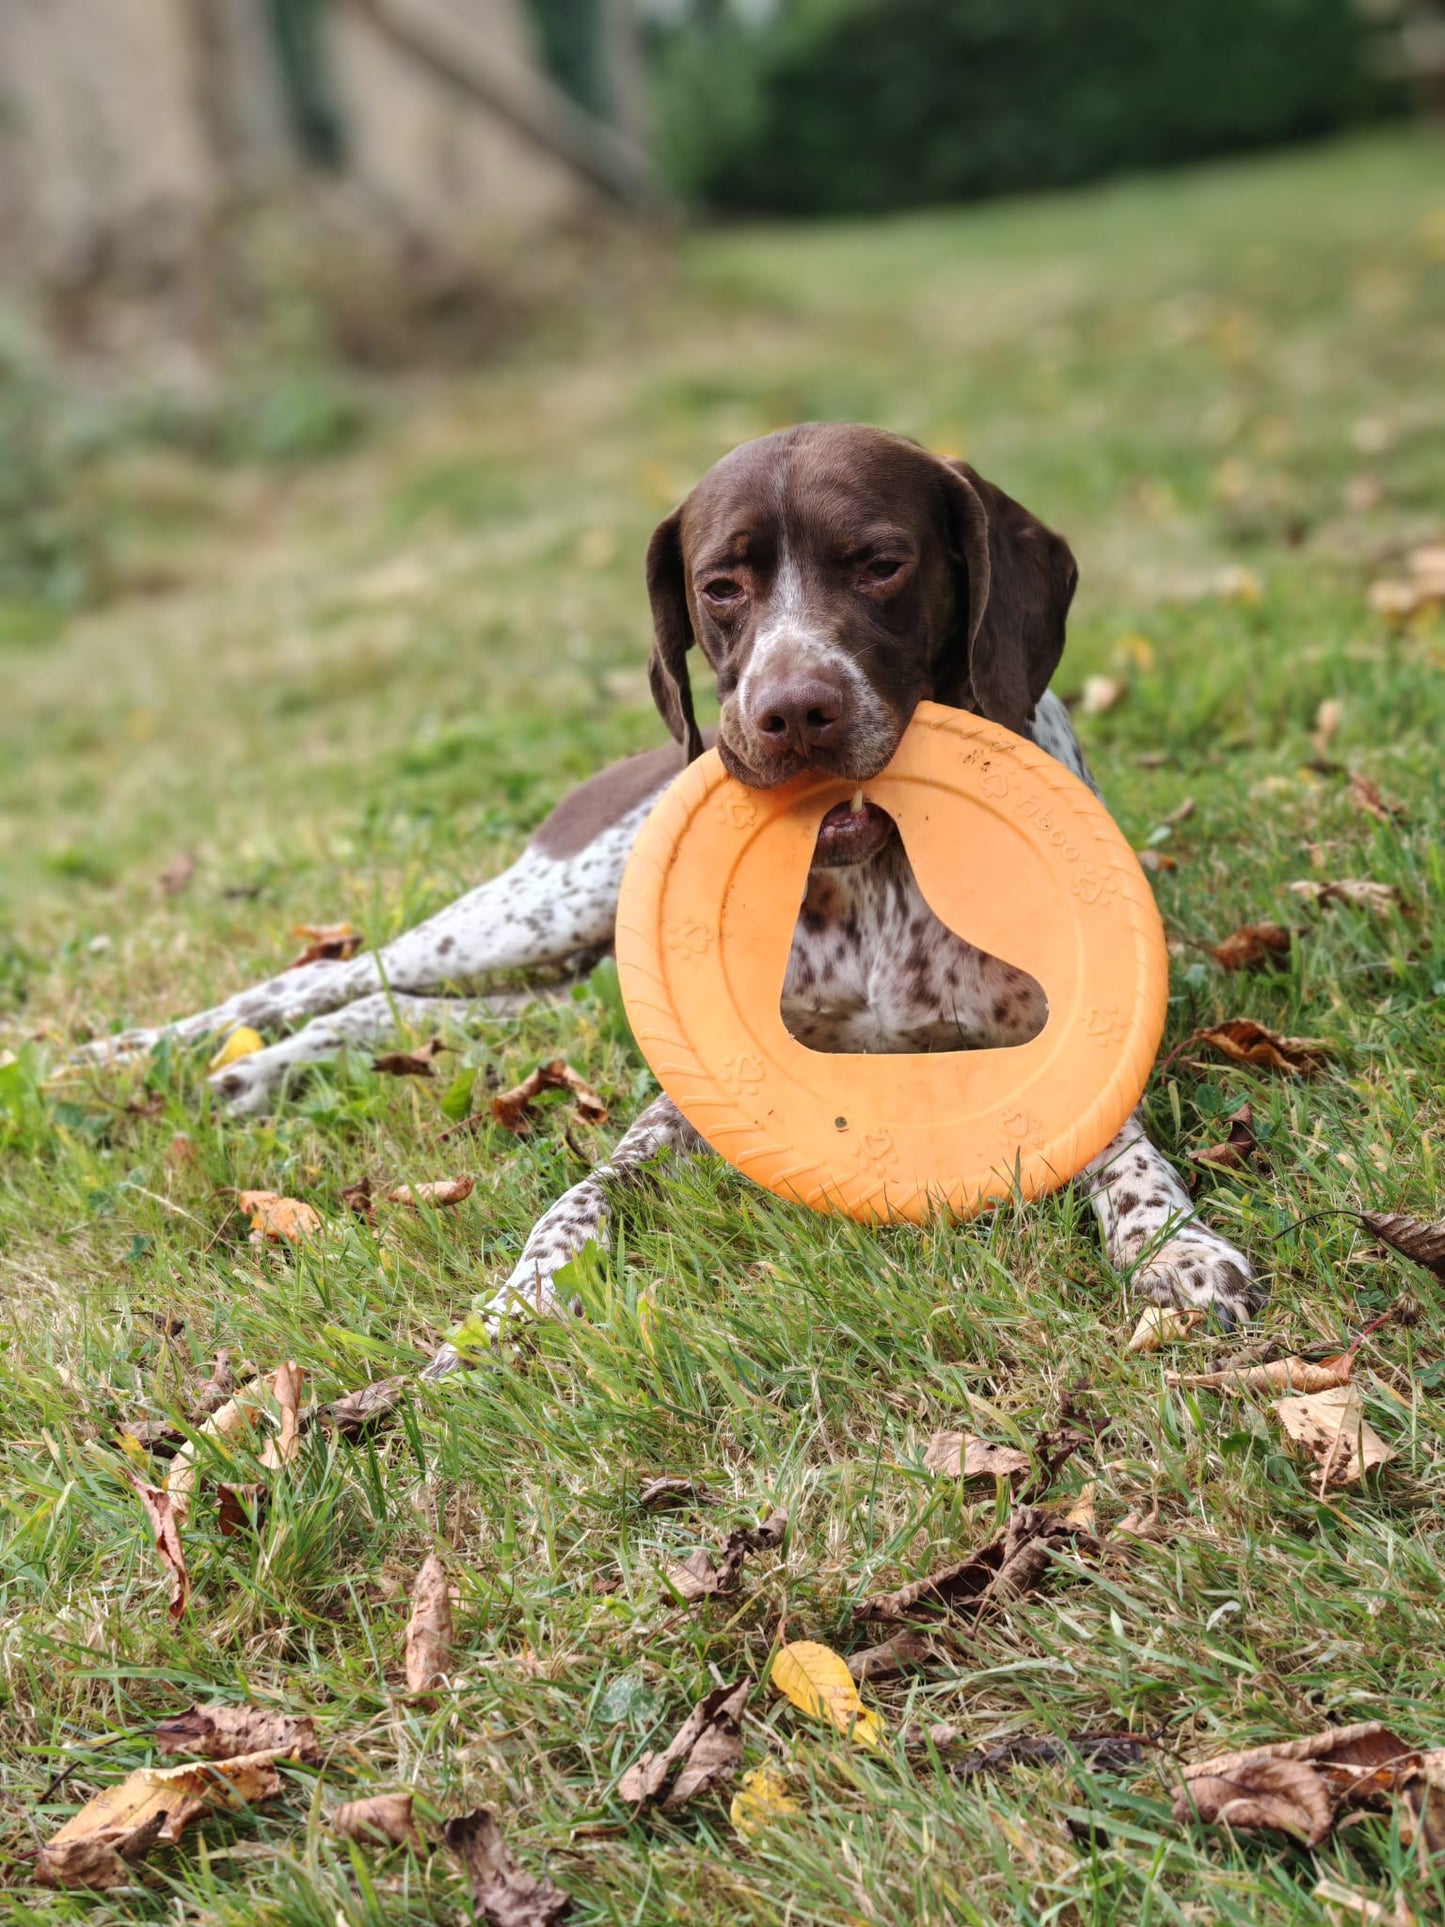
881,568
722,589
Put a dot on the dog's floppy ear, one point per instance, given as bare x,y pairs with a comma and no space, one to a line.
672,635
1017,580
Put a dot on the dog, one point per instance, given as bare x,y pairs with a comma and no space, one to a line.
831,576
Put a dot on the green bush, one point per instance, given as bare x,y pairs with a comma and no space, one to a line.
847,106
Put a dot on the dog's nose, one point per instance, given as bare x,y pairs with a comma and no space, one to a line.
798,712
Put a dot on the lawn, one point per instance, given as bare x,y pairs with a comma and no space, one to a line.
348,686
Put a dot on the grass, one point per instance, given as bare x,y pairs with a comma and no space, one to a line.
352,688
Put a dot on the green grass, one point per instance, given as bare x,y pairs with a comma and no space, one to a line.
350,692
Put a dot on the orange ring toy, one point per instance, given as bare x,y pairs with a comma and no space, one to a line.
1014,854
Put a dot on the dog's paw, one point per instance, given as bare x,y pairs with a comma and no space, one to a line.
119,1049
247,1087
1202,1270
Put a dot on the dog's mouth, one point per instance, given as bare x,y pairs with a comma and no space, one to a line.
852,832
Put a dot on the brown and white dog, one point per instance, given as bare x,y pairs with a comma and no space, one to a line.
832,576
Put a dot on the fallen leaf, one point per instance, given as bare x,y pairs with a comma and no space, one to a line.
357,1197
438,1191
275,1218
180,1152
1151,859
238,1508
229,1732
383,1819
1360,1907
177,873
1360,893
1279,1375
1238,1148
904,1652
420,1062
762,1797
1365,795
242,1042
1246,1042
1411,1237
1008,1567
216,1390
697,1577
228,1421
1328,717
1331,1427
165,1525
429,1630
959,1455
353,1416
1423,588
1101,694
154,1803
669,1492
286,1390
1299,1786
325,943
817,1679
1163,1325
510,1108
704,1753
1082,1515
503,1893
1283,1796
1251,945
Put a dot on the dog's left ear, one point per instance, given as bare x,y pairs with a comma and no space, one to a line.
672,635
1017,579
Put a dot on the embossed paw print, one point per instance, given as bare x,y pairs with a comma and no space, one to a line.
1091,887
878,1153
735,812
742,1076
1021,1127
689,938
1104,1024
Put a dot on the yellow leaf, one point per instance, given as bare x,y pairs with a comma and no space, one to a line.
241,1042
761,1798
817,1679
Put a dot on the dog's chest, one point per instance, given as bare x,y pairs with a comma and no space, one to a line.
873,969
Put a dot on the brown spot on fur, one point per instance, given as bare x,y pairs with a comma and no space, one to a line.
606,799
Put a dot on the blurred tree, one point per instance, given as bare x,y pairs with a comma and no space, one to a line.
841,106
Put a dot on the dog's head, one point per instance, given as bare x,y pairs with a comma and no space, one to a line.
834,575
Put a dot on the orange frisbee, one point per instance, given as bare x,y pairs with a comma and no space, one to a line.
1016,856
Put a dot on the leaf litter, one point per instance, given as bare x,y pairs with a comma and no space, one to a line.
504,1894
704,1754
512,1108
700,1577
817,1680
429,1632
420,1062
959,1455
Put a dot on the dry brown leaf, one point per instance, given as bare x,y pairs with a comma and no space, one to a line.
1412,1237
1279,1375
382,1819
420,1062
165,1524
503,1893
1360,893
353,1416
1246,1042
274,1218
229,1732
1163,1325
325,943
704,1753
1238,1148
1251,945
180,1152
1101,694
1156,860
217,1389
1331,1427
959,1455
1283,1796
1365,795
1083,1515
177,874
697,1577
228,1421
429,1630
357,1197
903,1653
1328,717
672,1491
238,1508
120,1826
1349,1904
1008,1567
286,1390
510,1108
437,1191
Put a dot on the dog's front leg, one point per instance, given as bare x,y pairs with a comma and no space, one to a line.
579,1216
1151,1232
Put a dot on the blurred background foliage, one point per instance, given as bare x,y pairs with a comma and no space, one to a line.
855,106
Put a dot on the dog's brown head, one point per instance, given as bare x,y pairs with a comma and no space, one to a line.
834,575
